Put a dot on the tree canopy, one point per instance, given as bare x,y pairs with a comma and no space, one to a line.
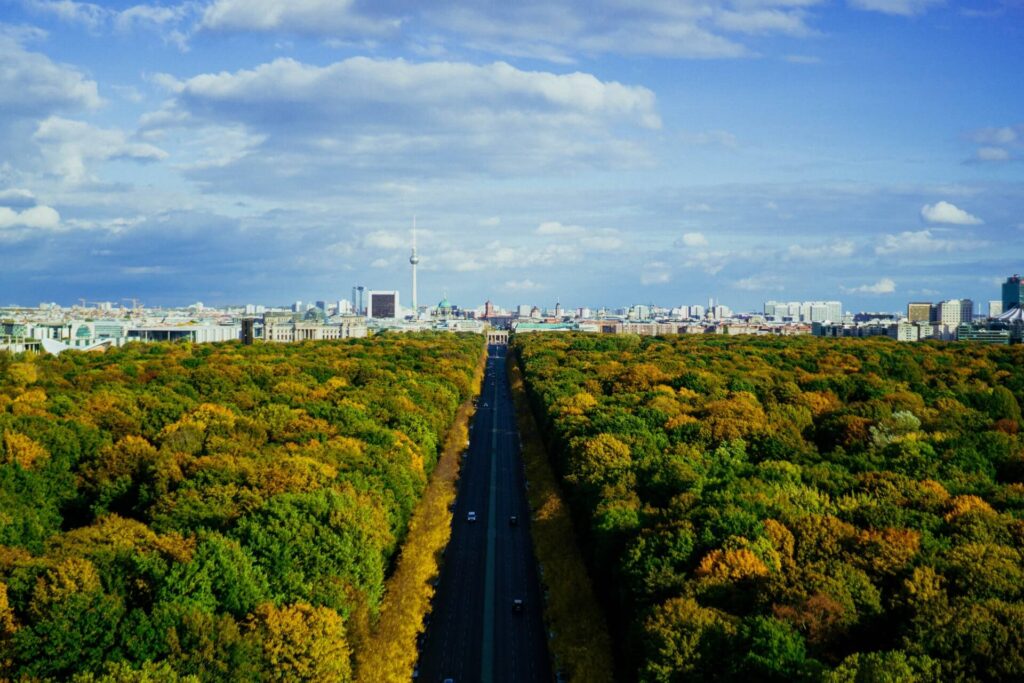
787,509
181,512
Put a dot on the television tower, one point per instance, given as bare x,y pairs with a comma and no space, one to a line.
413,260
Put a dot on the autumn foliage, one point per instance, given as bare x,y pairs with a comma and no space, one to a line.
769,509
216,512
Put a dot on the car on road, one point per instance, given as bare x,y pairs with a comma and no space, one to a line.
517,605
513,520
471,516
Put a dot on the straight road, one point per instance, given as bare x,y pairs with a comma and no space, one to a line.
474,634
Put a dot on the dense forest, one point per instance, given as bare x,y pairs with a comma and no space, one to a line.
771,509
212,512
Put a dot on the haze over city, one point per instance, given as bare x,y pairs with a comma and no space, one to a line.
234,151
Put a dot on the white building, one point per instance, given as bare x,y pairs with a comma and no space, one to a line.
288,331
805,311
995,308
956,311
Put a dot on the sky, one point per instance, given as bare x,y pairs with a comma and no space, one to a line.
595,153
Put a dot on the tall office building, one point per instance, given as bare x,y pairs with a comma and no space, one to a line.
358,303
382,304
297,307
1013,293
919,311
995,307
956,311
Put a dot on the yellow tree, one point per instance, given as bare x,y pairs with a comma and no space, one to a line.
300,642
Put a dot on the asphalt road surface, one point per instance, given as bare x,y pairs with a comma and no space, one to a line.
474,634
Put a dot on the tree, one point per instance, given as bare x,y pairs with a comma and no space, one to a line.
685,642
299,642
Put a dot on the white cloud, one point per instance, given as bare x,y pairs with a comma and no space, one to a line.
407,120
711,262
692,239
489,222
655,273
883,286
992,154
522,285
1003,135
998,144
385,239
760,283
944,212
556,228
380,263
84,13
602,243
32,85
41,217
17,197
319,17
919,242
763,21
147,270
906,8
70,146
404,87
838,249
531,28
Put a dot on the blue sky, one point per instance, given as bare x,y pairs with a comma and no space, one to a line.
597,153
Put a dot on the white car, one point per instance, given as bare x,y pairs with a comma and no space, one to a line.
471,516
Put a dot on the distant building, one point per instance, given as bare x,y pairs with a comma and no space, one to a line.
488,309
1013,293
982,335
382,304
322,305
906,330
288,331
995,308
920,311
248,331
956,311
297,307
358,303
805,311
867,316
523,310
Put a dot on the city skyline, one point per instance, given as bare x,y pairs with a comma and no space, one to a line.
236,152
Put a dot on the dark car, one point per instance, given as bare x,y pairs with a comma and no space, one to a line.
517,605
513,520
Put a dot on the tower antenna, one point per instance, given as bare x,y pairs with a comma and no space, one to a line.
413,260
